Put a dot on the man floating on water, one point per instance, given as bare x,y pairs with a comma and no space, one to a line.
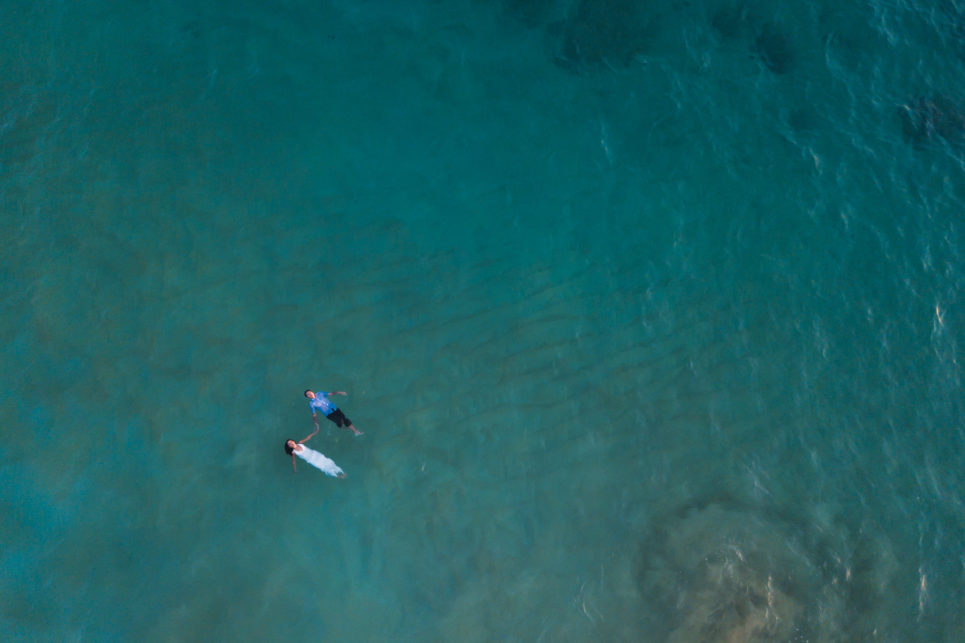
320,402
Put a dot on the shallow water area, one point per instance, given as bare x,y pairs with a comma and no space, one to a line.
651,317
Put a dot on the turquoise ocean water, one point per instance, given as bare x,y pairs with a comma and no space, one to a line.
651,313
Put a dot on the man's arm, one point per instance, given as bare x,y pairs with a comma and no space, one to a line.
308,438
338,393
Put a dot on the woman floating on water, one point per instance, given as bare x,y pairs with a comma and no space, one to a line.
312,457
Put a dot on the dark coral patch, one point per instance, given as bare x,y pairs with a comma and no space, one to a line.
774,50
532,13
729,21
930,119
602,32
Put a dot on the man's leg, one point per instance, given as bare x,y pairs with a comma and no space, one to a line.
340,420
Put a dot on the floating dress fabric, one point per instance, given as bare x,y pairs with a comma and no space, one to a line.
319,461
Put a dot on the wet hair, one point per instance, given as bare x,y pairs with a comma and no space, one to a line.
289,450
307,391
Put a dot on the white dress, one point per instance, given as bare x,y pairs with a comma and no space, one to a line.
319,461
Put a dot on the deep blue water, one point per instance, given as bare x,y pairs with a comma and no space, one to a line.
651,313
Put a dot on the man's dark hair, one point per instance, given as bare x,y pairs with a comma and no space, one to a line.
289,450
307,391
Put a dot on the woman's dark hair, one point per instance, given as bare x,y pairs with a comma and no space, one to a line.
307,391
289,450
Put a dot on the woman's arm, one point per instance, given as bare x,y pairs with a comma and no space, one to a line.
293,464
309,437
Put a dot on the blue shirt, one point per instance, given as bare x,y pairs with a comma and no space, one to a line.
321,403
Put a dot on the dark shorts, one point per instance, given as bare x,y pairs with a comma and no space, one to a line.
338,418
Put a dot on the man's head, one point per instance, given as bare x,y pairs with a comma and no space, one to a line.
309,394
289,446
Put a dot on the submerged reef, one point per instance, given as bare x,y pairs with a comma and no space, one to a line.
769,42
773,49
931,119
721,570
730,21
602,32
